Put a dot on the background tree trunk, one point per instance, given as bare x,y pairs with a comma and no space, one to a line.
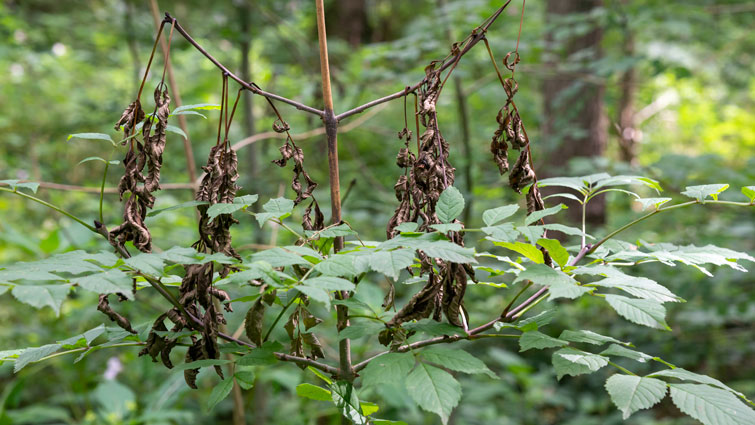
574,114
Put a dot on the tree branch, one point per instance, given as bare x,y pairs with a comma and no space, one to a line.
246,85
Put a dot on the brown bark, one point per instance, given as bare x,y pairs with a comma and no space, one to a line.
574,113
628,133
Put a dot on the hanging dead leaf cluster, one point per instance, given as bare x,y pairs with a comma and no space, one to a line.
425,177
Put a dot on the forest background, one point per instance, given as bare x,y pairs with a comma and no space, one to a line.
664,89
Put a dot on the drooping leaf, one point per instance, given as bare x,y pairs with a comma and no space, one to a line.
434,390
632,393
495,215
450,205
226,208
107,282
317,294
91,136
176,130
710,405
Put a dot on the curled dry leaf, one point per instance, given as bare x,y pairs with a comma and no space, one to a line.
104,306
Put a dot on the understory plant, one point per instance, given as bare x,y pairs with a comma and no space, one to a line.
292,294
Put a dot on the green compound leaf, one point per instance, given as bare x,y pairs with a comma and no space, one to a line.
556,251
450,205
537,215
344,396
749,191
632,393
588,337
390,263
561,285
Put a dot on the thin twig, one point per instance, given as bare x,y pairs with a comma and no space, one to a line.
479,34
251,87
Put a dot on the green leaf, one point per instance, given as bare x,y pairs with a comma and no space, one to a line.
527,250
332,232
200,106
621,351
279,257
447,227
390,263
686,375
576,183
502,233
176,130
264,355
643,312
330,283
189,204
560,284
187,113
749,191
711,406
345,398
703,191
457,360
39,296
450,205
572,362
91,136
449,251
219,392
313,392
389,368
434,390
108,282
535,339
557,252
317,294
408,226
16,184
224,208
569,230
245,379
537,215
34,354
632,393
92,158
654,202
337,265
361,329
640,287
387,422
368,408
493,216
588,337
